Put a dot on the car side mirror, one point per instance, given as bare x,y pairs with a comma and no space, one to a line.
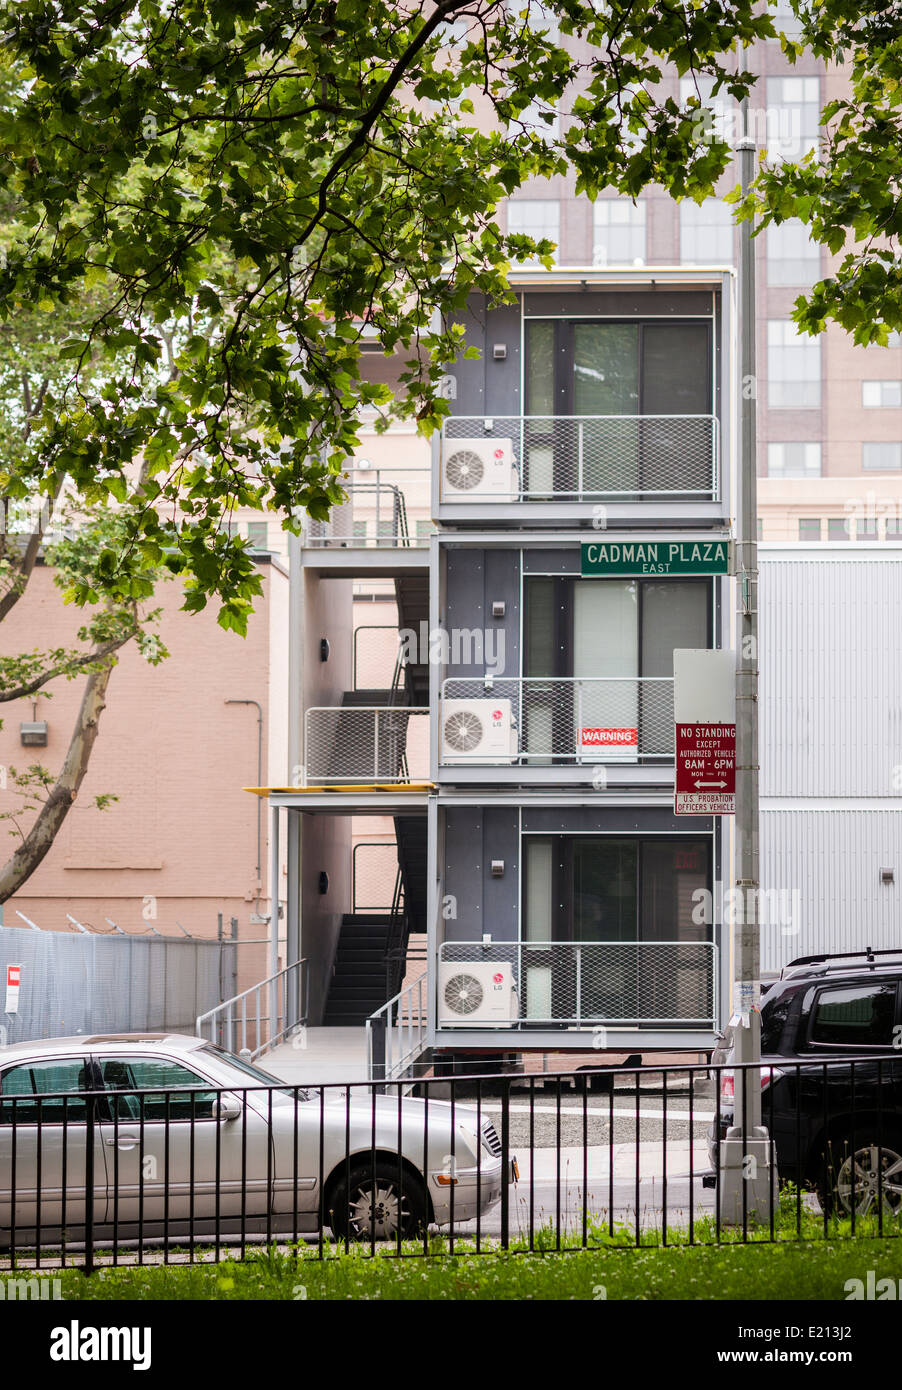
226,1107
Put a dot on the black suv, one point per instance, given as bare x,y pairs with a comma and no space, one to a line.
831,1077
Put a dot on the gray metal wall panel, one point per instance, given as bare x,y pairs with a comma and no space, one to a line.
475,579
502,379
831,676
611,820
587,303
468,372
826,865
473,838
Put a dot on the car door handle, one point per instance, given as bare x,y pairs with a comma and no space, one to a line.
124,1141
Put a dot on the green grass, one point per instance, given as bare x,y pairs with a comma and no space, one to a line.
804,1260
803,1270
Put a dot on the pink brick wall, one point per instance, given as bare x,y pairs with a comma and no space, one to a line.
180,842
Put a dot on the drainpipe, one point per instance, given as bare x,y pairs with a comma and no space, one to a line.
259,784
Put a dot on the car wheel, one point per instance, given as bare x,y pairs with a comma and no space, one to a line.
373,1204
861,1179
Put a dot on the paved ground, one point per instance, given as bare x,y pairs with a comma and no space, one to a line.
319,1054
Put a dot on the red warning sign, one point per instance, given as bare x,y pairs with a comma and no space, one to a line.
705,770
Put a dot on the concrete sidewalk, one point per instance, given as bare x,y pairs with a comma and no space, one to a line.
319,1055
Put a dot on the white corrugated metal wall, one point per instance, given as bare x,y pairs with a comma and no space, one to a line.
831,748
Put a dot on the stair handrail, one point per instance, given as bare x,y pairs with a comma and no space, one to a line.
224,1019
396,1033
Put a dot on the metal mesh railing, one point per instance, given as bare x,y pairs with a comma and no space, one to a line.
383,508
581,719
581,457
588,982
367,743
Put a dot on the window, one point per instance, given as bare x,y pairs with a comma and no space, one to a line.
453,33
855,1016
35,1079
599,638
893,527
166,1090
838,528
538,17
786,21
760,529
258,534
603,620
614,889
793,258
537,218
628,890
865,529
539,118
720,112
793,460
792,116
793,367
619,232
653,372
809,528
882,456
881,394
894,340
706,232
424,529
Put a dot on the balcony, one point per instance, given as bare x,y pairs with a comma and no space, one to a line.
536,721
364,744
386,508
580,459
585,983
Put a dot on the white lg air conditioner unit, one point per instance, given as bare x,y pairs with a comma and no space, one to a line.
478,731
478,470
477,992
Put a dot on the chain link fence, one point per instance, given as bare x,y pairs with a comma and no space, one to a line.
107,984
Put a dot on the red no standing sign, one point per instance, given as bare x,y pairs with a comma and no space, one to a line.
705,770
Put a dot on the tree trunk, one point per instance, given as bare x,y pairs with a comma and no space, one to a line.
19,868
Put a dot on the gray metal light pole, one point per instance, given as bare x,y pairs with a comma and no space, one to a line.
747,934
294,843
746,1186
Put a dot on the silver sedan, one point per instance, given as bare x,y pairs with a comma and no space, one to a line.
188,1138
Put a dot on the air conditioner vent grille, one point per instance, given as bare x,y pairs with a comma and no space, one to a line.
463,994
464,470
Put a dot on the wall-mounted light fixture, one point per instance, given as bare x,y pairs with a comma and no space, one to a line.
499,351
33,733
324,649
498,608
887,875
497,868
323,883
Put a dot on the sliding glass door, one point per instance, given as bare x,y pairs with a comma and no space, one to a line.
609,929
618,409
599,658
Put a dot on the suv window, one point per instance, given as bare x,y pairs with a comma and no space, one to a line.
33,1079
855,1016
161,1084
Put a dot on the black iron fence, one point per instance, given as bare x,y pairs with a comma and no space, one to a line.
602,1157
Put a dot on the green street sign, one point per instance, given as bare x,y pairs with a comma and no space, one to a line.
634,559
